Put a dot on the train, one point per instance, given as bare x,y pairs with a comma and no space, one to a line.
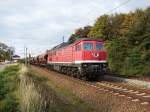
85,59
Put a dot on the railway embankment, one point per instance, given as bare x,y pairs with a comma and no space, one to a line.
38,94
135,82
101,98
22,90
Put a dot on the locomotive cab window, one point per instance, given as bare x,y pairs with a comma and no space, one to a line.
88,46
78,47
99,46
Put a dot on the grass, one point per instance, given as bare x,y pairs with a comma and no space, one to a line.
8,89
38,94
67,96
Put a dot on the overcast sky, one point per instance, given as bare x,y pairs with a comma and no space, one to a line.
40,24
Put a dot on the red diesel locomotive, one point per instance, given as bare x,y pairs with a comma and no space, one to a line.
85,59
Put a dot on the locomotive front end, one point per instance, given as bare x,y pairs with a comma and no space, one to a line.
93,61
94,56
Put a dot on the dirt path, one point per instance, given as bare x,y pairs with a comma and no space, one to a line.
102,101
2,66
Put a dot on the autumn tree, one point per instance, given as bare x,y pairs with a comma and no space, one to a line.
99,27
80,33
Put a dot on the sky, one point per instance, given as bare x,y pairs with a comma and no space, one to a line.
40,24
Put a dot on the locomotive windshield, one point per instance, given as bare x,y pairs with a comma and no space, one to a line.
99,46
88,46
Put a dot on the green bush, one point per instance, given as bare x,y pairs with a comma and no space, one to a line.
8,87
10,105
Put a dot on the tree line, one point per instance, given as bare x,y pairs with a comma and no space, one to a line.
127,40
5,52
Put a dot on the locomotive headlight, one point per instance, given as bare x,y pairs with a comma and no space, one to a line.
96,55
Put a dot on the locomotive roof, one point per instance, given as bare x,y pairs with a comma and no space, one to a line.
64,44
87,39
60,45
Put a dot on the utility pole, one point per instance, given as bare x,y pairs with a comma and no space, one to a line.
26,56
10,54
11,51
26,52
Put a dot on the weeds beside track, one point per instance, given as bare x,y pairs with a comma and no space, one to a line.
41,95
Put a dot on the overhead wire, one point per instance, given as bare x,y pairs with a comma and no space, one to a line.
120,5
113,9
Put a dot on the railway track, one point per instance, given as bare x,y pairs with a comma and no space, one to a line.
134,94
121,90
135,82
131,93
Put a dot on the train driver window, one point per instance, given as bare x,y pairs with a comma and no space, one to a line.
78,47
88,46
99,46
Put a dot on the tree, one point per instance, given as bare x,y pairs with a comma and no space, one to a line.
98,28
5,52
80,33
136,31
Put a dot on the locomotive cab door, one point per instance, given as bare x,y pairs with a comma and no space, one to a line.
78,52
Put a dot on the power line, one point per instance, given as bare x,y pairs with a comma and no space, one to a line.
120,5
